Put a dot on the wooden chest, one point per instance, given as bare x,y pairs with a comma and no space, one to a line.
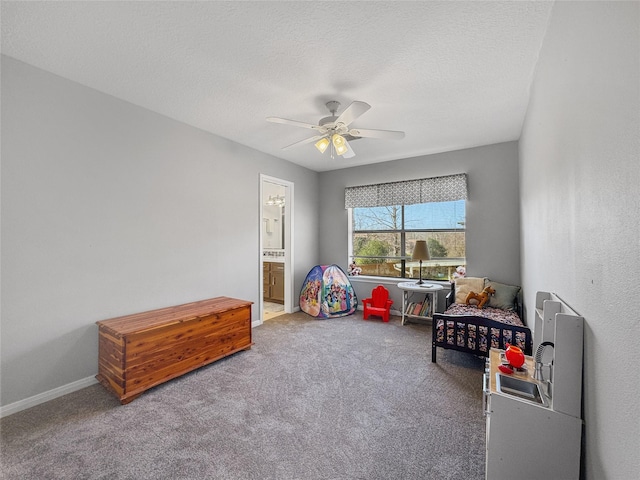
140,351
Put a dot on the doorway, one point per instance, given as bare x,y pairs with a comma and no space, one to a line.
276,247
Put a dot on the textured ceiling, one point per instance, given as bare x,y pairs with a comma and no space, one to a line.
451,75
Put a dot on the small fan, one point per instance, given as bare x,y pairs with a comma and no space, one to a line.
334,130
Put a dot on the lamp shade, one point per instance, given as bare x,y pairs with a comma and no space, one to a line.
340,144
420,251
322,144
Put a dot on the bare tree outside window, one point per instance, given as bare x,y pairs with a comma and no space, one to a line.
383,239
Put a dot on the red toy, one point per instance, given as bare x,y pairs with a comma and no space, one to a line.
514,355
379,304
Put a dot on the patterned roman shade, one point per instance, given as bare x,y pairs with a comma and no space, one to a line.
435,189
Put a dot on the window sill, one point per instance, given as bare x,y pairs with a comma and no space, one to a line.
393,280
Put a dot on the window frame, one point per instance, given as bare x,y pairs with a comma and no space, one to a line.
403,258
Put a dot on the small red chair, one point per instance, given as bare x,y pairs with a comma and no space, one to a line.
379,304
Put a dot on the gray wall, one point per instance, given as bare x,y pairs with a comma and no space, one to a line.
579,177
110,209
493,221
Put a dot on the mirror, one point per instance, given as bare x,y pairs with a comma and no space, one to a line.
273,208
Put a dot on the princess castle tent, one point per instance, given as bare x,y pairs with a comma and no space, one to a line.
327,293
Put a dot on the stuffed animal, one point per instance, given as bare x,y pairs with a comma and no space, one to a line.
354,269
460,272
482,297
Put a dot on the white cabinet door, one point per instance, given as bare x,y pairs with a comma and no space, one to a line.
532,442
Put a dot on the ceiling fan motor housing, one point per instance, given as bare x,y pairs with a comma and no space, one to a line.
330,121
326,120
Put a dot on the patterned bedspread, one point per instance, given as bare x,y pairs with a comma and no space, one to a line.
474,336
502,316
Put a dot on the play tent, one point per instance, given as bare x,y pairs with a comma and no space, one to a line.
327,292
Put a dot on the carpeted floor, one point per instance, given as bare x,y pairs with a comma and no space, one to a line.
313,399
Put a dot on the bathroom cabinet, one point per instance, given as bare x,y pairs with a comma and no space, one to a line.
273,282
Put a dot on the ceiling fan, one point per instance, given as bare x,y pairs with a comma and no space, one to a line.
334,130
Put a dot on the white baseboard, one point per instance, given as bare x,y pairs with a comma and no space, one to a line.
46,396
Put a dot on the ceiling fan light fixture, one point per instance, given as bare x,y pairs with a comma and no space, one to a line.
340,144
332,131
322,144
342,149
349,153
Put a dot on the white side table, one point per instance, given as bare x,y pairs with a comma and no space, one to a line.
412,290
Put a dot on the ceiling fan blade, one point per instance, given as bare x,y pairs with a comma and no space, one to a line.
295,123
387,134
305,141
352,112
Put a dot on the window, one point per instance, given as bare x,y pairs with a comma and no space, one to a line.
382,237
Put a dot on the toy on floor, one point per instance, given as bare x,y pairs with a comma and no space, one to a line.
379,304
327,293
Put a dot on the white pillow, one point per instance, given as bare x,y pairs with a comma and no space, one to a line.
466,285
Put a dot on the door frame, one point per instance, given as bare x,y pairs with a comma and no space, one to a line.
288,242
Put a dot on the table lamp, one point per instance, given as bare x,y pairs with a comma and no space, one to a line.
420,252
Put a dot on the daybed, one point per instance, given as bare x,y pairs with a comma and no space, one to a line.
469,329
